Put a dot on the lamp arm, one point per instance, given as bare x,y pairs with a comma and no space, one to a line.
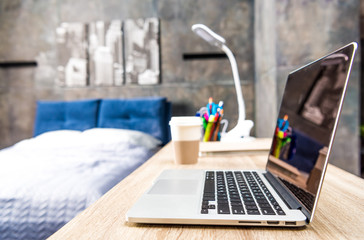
239,94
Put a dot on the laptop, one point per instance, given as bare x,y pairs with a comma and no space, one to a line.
287,191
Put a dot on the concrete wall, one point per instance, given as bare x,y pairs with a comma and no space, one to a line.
269,38
290,34
27,32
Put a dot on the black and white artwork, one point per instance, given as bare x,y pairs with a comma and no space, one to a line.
72,54
142,51
109,53
105,53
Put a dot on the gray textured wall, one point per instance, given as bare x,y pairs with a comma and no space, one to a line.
269,38
294,33
309,31
27,31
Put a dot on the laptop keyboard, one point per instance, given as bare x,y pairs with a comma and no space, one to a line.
228,192
305,197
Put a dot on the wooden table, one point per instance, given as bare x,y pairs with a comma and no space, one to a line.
340,213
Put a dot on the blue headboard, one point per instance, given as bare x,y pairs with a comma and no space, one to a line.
149,115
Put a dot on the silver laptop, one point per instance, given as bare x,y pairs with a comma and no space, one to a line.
287,192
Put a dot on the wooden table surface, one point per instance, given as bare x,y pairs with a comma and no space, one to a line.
340,212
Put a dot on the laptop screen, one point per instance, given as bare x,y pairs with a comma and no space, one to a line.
306,124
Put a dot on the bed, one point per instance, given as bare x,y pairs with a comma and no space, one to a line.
79,151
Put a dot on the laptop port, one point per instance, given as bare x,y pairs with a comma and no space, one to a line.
273,222
291,223
250,222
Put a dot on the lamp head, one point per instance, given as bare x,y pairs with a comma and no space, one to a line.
208,35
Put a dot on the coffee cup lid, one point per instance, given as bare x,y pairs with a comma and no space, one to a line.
185,121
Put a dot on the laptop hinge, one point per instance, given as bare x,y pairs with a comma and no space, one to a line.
286,195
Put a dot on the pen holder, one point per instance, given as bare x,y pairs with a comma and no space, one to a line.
212,122
213,130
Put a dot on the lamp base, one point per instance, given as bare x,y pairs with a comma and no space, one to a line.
240,132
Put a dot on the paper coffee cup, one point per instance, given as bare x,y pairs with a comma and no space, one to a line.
186,134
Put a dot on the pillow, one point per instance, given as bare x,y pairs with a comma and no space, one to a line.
74,115
51,139
112,136
58,134
149,115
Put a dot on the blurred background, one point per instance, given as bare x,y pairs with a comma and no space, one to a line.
268,38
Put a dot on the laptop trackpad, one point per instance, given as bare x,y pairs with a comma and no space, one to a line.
175,187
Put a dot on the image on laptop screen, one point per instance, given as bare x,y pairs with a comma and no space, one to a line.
307,117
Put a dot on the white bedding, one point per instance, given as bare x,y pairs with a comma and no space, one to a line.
45,181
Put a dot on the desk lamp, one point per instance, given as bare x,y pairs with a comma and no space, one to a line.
243,127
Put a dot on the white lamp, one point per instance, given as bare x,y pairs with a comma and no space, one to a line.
243,127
